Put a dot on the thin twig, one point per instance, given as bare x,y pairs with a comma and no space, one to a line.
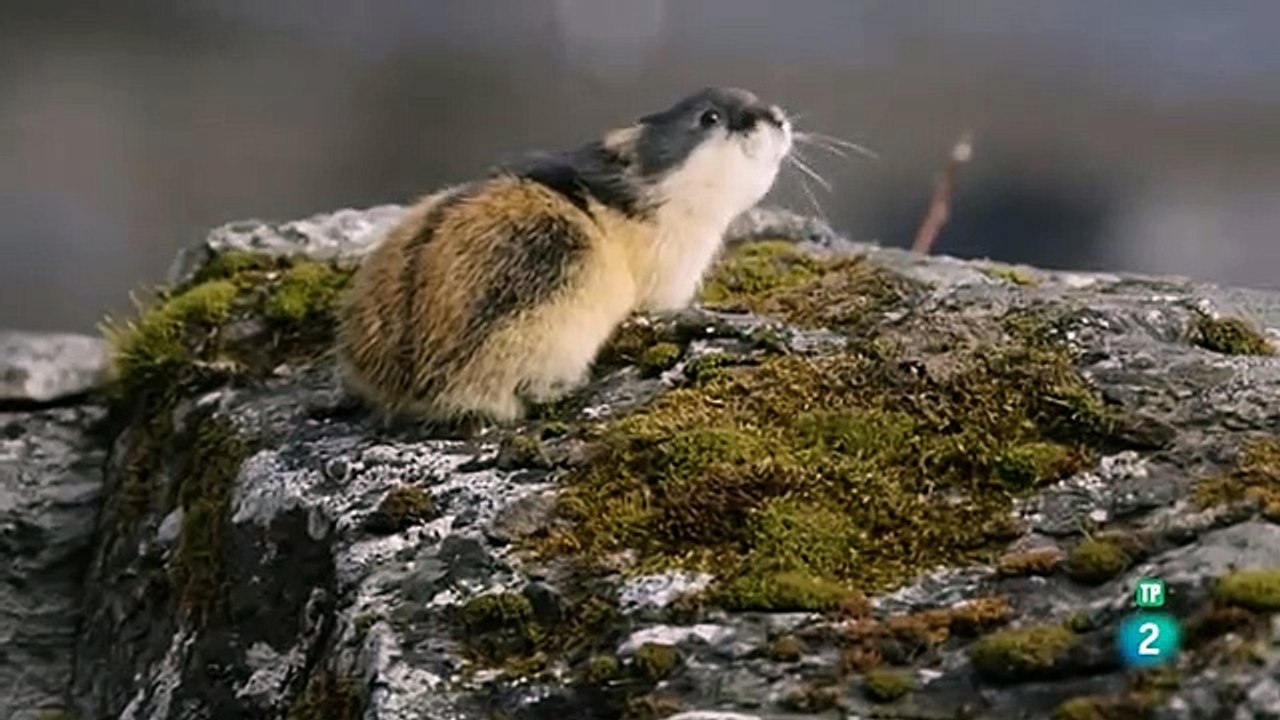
940,204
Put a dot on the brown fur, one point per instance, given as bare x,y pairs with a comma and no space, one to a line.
409,337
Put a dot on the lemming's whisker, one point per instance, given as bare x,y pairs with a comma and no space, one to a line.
806,140
831,140
803,167
813,199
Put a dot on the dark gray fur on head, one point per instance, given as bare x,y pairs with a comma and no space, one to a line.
616,177
668,137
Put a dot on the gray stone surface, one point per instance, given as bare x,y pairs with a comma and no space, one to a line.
44,367
314,592
50,485
341,234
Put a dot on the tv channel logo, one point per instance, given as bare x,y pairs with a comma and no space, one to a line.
1149,593
1147,639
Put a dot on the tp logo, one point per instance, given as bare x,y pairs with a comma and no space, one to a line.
1149,638
1150,593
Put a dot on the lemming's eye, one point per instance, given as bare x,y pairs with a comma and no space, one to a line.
709,118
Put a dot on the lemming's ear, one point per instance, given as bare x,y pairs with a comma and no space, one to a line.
621,141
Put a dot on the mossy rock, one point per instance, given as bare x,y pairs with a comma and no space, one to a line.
241,316
519,451
640,342
187,328
757,268
799,479
600,669
1039,561
1254,589
1230,336
308,292
198,567
402,507
1021,654
812,698
1133,705
1011,274
658,358
782,591
329,696
1255,476
1082,708
785,649
782,280
655,661
650,706
503,630
1094,561
886,686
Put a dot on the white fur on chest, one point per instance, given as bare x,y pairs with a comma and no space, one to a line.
680,255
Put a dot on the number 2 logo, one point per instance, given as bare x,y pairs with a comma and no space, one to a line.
1150,632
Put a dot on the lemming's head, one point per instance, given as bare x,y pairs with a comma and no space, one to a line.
717,151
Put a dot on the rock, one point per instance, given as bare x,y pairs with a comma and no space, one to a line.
50,486
247,562
345,234
45,367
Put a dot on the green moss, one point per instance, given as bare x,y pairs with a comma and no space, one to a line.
1130,705
518,450
631,342
1255,476
600,669
812,698
182,331
1254,589
365,621
198,569
152,351
496,611
781,590
753,269
329,696
1010,274
650,707
501,629
706,367
1081,708
855,470
782,280
1022,653
1230,336
1040,561
1028,463
402,507
659,357
500,626
1079,622
785,649
306,293
1095,561
888,685
655,661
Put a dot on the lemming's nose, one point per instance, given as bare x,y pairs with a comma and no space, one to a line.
753,115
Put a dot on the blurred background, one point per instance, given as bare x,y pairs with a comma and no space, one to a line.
1141,135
